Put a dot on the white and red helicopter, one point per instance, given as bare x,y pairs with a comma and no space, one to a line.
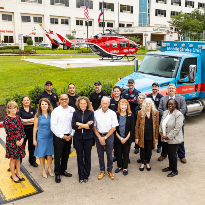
105,45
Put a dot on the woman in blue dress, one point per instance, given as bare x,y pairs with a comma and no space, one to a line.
42,135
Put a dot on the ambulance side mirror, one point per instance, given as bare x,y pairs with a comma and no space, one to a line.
192,73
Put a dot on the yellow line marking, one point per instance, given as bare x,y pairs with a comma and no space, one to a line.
9,189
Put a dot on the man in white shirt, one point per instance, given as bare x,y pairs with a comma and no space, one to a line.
105,122
61,127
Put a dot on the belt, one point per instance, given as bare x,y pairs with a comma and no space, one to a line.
103,134
67,134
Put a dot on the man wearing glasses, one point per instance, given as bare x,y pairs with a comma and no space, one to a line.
61,127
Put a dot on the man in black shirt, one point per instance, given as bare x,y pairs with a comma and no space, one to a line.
116,98
72,96
47,93
96,96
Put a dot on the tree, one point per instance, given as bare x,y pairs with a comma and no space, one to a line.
29,41
135,39
68,36
189,24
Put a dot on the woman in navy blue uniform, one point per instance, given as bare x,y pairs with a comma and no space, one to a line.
82,123
27,113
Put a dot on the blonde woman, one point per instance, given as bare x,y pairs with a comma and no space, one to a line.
42,135
147,131
15,149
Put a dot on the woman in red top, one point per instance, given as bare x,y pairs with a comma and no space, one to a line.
15,150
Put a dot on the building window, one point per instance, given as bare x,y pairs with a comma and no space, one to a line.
79,22
6,17
129,25
161,1
159,12
64,21
201,5
82,3
38,39
23,0
8,39
25,19
25,39
109,24
176,2
37,19
126,8
101,24
90,23
174,13
53,2
107,6
121,25
189,3
54,20
39,1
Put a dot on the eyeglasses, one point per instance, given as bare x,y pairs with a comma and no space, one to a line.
64,99
12,108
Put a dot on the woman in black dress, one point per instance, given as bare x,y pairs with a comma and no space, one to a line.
15,135
27,113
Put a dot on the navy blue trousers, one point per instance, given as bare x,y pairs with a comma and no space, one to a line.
180,151
109,148
83,149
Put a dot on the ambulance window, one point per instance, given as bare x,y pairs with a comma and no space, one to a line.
114,45
132,45
108,45
185,67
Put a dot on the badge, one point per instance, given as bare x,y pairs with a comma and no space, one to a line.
113,104
126,94
99,96
31,113
156,99
54,96
132,96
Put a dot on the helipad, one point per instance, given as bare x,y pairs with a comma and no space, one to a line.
80,62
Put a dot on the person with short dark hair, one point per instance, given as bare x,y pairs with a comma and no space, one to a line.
156,96
15,135
171,133
95,97
82,123
72,96
131,95
47,93
27,113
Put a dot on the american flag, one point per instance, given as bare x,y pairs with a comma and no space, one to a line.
86,13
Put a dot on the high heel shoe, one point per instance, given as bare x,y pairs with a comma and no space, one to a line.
45,175
19,181
50,173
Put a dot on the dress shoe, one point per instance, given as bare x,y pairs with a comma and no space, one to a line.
125,172
18,181
183,160
85,180
166,169
66,174
172,174
34,164
21,179
161,158
111,175
101,175
158,149
118,170
136,150
58,178
148,168
81,181
141,168
114,159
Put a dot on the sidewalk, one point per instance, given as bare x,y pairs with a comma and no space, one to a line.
143,188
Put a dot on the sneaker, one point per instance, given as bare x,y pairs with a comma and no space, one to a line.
111,175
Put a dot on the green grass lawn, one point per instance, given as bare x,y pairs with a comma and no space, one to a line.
20,76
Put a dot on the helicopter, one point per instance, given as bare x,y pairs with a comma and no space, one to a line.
106,45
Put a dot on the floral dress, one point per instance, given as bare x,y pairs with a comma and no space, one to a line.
15,132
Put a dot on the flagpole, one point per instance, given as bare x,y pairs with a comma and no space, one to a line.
103,16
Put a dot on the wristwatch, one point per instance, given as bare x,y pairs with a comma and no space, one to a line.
79,124
105,138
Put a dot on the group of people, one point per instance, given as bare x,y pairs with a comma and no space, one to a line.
112,124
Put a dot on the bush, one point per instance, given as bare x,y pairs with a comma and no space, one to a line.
9,47
15,97
29,41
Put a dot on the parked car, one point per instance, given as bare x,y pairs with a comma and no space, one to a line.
5,44
45,45
158,47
